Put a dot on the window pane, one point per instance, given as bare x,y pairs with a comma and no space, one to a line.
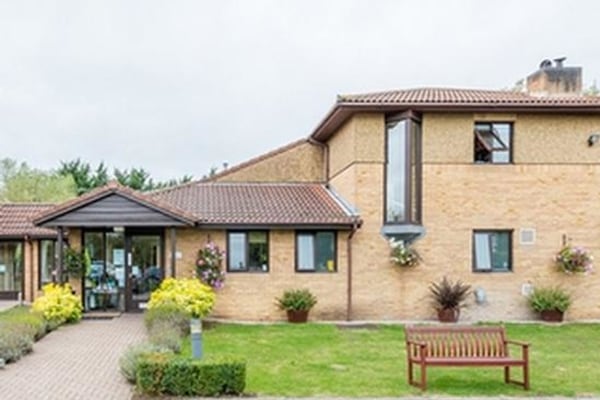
500,243
503,132
415,160
115,257
396,172
325,248
306,252
258,250
11,266
47,261
237,251
482,252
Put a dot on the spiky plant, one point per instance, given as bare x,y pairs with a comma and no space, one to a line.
447,294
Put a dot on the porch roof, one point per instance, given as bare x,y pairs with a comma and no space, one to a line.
114,205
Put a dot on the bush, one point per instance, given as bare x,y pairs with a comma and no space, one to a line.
163,374
58,305
167,315
549,298
296,300
189,295
447,294
18,330
15,341
128,363
166,337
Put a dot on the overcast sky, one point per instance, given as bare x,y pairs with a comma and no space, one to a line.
179,86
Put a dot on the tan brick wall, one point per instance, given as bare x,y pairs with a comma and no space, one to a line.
538,139
301,163
459,196
251,296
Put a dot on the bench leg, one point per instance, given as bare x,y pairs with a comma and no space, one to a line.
423,377
526,376
411,380
506,374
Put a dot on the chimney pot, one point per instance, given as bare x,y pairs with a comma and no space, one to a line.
555,80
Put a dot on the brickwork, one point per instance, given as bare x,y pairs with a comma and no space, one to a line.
300,163
251,295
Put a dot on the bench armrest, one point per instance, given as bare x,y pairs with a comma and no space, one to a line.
412,344
518,343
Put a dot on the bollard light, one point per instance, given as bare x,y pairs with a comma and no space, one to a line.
196,336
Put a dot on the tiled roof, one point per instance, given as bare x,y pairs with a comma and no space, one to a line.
110,188
435,96
259,203
16,220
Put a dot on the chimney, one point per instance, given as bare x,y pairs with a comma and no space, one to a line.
554,79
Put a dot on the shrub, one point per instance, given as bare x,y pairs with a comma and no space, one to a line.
128,363
166,337
160,374
549,298
447,294
58,305
402,254
15,341
296,300
167,315
189,295
33,323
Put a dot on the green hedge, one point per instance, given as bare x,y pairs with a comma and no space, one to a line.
161,373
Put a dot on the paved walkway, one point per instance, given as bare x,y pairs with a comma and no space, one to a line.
76,362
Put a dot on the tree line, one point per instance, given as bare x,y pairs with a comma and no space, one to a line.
20,182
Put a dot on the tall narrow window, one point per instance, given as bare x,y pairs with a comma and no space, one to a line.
403,171
11,267
492,251
47,261
315,252
493,142
248,251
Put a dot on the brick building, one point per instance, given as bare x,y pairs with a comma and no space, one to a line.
487,185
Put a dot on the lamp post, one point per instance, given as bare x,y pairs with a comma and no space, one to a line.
196,336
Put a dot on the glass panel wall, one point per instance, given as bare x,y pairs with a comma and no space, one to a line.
105,279
47,262
396,172
11,266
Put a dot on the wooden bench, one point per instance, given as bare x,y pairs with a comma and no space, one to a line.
458,346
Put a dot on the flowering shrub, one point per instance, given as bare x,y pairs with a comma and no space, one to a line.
574,260
208,265
58,305
189,295
403,255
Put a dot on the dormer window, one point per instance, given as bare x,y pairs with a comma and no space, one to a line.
403,170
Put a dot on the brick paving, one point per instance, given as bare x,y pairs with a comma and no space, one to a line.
75,362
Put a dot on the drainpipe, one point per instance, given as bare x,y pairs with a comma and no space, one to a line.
355,227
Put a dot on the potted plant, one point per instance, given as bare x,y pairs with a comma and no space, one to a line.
551,302
297,303
402,254
448,297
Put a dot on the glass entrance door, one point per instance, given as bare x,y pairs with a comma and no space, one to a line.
145,268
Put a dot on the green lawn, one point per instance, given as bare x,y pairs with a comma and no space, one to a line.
317,359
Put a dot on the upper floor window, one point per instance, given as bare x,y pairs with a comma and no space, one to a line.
403,170
492,251
248,251
315,251
493,142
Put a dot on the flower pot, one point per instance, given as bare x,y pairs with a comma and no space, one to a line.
552,315
448,314
297,316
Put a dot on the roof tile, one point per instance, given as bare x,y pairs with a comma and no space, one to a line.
16,220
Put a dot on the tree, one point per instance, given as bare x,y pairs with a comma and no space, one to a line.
20,183
82,174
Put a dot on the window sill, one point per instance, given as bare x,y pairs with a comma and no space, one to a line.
405,232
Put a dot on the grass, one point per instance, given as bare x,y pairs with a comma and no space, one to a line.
321,359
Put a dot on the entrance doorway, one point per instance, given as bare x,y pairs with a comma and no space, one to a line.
145,268
126,266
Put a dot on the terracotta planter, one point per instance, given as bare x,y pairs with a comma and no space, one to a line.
552,315
297,316
448,314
